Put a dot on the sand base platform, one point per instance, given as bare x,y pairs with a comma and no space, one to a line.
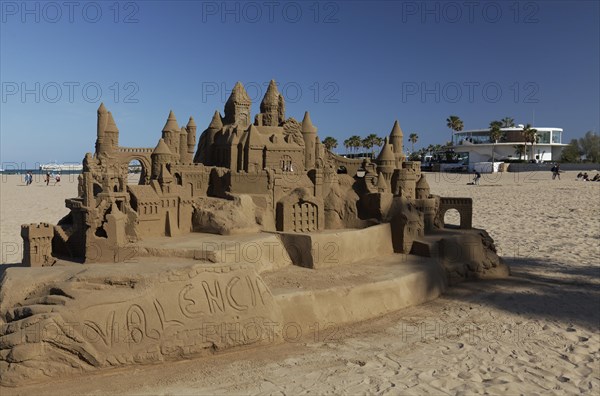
73,319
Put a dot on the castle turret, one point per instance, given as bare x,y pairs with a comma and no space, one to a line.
37,244
107,133
160,156
183,150
425,203
422,188
396,137
272,107
191,138
204,153
170,135
382,185
386,161
237,108
309,133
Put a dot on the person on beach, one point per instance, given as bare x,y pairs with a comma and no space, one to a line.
555,171
28,178
47,178
477,177
57,179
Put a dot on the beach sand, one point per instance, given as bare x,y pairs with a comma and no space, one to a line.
536,332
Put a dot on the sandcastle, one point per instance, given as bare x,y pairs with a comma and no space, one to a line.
253,235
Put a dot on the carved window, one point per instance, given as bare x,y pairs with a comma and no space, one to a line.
304,217
286,163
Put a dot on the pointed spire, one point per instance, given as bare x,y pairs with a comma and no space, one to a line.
216,122
111,126
396,131
191,123
381,183
171,124
387,153
102,109
271,96
307,125
165,176
422,184
161,148
239,94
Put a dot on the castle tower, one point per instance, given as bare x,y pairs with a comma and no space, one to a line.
237,108
309,133
160,156
396,137
386,161
422,188
191,138
183,150
37,244
204,154
170,134
107,133
272,107
382,185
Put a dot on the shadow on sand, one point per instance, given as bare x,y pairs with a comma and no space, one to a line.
562,293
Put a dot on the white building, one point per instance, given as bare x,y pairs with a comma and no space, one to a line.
477,146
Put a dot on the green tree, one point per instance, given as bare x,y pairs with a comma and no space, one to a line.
507,122
370,142
355,142
330,143
455,124
347,144
590,145
495,135
380,141
520,150
572,153
413,138
530,136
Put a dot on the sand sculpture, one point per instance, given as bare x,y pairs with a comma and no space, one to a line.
237,240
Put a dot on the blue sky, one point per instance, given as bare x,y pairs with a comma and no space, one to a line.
355,65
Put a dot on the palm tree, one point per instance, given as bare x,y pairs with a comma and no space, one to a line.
520,150
455,124
507,122
330,143
355,142
495,135
370,142
347,144
530,135
379,142
412,138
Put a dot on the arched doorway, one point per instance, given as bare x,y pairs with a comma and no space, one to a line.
452,218
135,172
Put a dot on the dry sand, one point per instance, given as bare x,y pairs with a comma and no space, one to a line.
534,333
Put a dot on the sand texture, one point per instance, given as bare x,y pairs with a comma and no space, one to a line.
536,332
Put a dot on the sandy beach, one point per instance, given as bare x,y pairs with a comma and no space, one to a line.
537,332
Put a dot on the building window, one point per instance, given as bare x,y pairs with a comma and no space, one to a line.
556,137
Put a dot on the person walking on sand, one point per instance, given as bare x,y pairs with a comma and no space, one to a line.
477,177
28,178
57,179
555,171
47,178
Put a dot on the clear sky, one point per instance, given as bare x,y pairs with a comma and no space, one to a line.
355,65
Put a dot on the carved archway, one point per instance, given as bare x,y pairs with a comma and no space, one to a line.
464,206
